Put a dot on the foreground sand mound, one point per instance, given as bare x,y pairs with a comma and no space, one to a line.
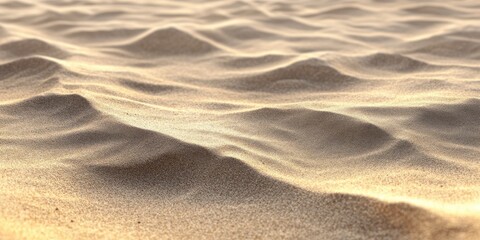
456,122
134,161
323,132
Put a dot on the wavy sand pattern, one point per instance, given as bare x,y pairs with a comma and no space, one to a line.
239,119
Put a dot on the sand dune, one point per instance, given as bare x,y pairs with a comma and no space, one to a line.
28,47
166,42
305,75
239,119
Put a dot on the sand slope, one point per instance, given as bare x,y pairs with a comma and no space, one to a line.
239,119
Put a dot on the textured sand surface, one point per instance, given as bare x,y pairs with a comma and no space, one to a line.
239,119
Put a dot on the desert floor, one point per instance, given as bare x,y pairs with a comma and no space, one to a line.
239,119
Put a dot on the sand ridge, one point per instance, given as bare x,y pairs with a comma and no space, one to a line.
239,119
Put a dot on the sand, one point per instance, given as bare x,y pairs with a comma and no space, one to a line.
239,119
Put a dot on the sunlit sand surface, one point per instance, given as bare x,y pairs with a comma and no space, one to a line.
239,119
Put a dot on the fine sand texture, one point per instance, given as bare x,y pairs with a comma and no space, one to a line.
239,119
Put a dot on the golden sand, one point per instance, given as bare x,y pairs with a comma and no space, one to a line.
239,119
